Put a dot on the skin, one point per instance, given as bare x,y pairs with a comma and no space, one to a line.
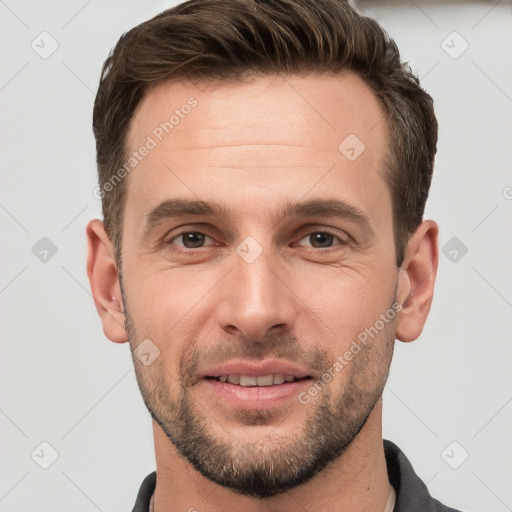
254,147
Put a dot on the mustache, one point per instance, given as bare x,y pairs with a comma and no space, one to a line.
288,348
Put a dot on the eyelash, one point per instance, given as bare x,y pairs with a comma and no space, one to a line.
183,249
343,241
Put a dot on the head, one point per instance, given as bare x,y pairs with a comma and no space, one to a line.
263,169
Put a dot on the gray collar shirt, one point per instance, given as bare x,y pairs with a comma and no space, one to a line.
411,493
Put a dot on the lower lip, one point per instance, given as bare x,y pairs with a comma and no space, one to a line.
256,397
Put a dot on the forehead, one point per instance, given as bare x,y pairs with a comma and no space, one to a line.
275,133
323,107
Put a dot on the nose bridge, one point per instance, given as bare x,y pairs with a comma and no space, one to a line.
255,300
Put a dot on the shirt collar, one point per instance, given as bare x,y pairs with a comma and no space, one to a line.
411,492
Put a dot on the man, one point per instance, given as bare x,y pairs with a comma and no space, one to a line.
264,168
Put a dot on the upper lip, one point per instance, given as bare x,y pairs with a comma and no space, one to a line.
266,367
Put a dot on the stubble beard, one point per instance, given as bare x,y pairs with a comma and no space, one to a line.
275,463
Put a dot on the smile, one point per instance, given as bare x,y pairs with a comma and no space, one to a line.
251,380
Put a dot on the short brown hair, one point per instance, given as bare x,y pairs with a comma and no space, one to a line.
229,40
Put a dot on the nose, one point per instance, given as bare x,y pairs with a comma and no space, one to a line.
256,300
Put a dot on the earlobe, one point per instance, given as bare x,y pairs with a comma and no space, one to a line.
416,281
104,281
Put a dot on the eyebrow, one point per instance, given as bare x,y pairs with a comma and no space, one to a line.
175,208
178,208
326,208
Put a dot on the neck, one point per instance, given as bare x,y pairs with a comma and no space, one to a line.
357,481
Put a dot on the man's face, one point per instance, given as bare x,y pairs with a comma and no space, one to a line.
293,262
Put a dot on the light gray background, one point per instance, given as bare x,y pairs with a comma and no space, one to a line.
64,383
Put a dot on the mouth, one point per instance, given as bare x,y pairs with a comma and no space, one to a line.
250,385
251,393
247,381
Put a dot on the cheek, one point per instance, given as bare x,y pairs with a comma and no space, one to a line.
364,362
162,297
345,301
173,308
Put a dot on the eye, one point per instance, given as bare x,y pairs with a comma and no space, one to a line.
322,240
190,240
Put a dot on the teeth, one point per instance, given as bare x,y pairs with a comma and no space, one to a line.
278,378
265,380
262,380
246,380
234,379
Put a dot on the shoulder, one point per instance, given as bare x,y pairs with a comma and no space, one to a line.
412,495
145,492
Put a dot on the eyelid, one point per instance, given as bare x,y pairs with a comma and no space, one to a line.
341,236
169,241
190,227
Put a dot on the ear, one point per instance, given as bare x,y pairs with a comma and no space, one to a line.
416,280
104,281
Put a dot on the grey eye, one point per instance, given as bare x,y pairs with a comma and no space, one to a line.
192,240
320,239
